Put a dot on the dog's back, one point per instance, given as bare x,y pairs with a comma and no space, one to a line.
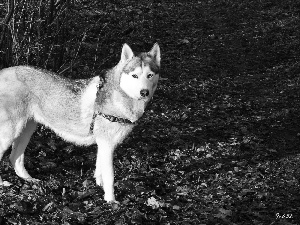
29,93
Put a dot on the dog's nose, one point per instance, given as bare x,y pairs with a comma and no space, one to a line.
144,93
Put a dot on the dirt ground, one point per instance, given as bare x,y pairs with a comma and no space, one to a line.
219,143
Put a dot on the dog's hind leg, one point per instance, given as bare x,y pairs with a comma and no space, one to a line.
18,148
6,139
9,130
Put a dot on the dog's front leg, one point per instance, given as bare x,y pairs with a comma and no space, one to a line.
104,172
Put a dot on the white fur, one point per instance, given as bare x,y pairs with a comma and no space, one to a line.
126,54
155,52
88,99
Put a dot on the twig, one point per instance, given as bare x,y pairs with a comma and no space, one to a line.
6,20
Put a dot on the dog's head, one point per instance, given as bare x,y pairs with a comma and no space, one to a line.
140,73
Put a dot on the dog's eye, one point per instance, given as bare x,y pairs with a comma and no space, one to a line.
135,76
150,75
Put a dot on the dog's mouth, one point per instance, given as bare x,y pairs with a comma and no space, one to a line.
145,99
140,98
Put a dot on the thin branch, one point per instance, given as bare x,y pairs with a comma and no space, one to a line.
6,20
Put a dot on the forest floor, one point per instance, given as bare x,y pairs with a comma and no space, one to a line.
220,141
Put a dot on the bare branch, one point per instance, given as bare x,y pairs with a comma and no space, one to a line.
7,18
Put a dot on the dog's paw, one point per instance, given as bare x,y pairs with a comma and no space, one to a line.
113,202
110,198
32,180
115,205
5,184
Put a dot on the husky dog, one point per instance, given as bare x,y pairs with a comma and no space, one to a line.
77,110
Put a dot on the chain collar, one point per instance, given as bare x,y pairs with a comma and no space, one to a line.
116,119
111,119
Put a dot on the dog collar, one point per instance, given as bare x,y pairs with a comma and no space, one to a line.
116,119
110,118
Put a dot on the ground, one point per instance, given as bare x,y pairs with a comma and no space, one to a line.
219,143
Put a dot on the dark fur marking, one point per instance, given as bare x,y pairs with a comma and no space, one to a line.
137,62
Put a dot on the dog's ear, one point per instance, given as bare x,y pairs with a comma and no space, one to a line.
155,53
127,53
